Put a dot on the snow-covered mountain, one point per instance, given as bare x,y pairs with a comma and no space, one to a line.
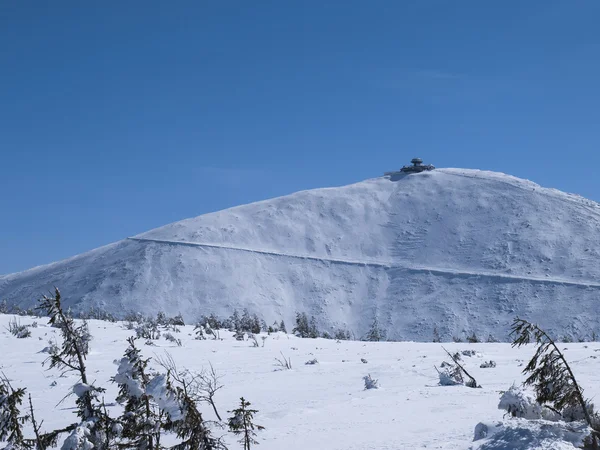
461,250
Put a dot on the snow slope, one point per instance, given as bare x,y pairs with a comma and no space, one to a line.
322,406
463,250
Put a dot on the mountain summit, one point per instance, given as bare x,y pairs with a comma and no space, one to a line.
461,250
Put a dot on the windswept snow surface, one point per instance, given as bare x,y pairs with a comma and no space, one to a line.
321,406
463,250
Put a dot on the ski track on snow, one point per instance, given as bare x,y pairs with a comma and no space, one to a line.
379,264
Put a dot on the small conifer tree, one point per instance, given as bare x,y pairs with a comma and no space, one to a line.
375,333
140,415
11,420
241,423
96,426
302,328
551,376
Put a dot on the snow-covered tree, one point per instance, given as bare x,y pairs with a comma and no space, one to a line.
140,418
551,376
96,426
199,330
242,424
235,321
375,333
178,395
302,328
256,327
11,420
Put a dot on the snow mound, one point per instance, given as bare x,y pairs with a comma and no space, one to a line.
522,434
466,250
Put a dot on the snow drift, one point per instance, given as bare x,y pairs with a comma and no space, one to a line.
461,250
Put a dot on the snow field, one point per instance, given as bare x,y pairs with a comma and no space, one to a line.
320,406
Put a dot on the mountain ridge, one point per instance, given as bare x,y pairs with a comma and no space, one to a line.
437,248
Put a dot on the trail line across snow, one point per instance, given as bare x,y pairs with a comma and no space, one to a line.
380,264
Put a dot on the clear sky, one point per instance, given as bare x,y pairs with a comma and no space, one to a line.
118,117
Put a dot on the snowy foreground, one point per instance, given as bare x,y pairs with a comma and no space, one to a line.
320,406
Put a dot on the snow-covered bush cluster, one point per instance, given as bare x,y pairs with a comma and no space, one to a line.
156,405
18,330
370,383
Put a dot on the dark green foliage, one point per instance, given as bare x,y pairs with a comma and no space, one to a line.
313,331
140,414
282,327
190,427
472,338
256,325
241,423
549,373
436,335
97,314
342,335
11,420
375,334
303,328
70,357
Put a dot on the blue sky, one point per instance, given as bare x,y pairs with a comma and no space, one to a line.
118,117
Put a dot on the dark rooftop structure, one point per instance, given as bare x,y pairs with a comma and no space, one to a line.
417,166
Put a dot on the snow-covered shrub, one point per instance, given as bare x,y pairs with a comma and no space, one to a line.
311,362
97,314
80,438
450,375
135,317
283,363
148,330
375,333
342,335
18,330
574,413
252,338
519,402
199,330
177,320
370,383
51,348
363,360
468,353
169,337
487,364
472,338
